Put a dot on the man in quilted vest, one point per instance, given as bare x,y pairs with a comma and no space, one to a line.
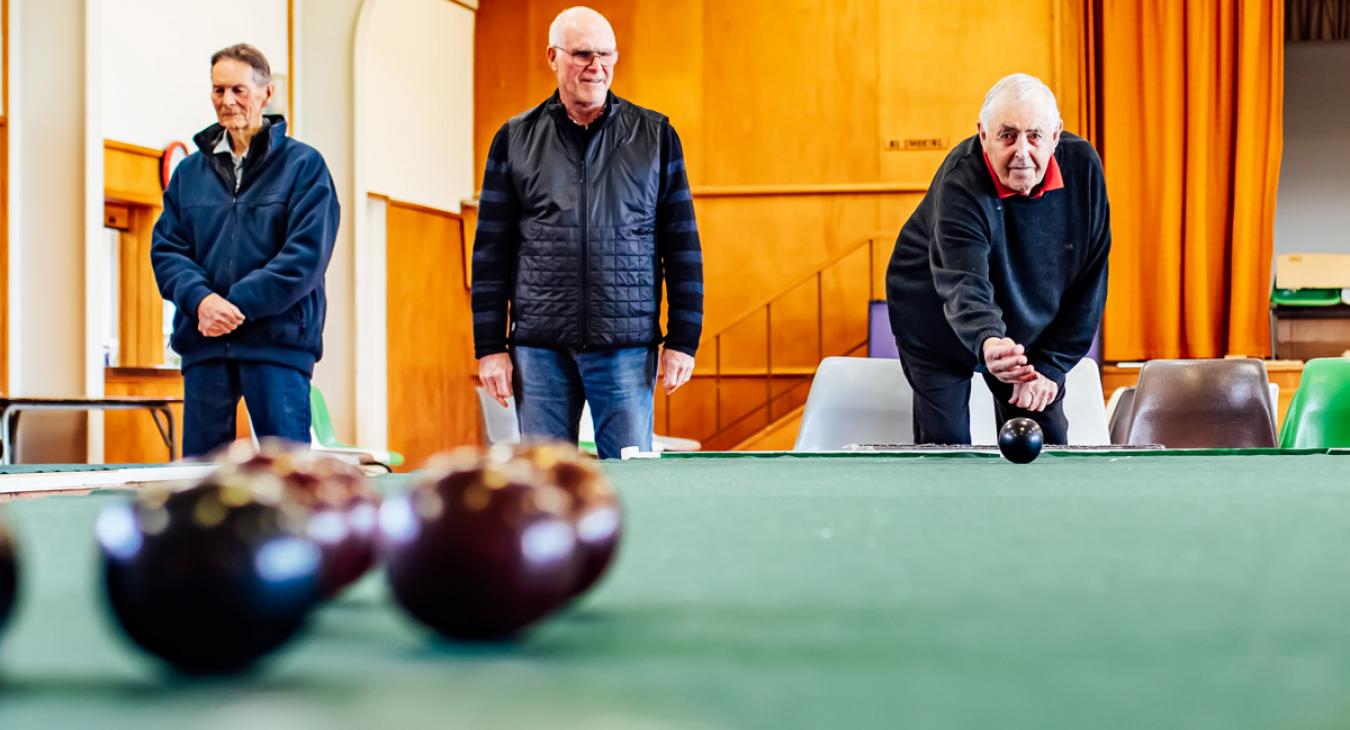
585,218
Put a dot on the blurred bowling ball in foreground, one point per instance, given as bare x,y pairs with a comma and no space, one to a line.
341,503
593,506
9,573
477,551
212,577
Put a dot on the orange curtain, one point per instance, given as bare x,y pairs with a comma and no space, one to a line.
1188,117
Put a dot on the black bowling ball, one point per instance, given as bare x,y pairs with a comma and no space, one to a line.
213,577
1020,440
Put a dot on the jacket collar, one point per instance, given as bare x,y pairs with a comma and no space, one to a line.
272,132
1053,180
613,106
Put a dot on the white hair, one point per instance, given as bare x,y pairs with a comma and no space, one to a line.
557,30
1018,87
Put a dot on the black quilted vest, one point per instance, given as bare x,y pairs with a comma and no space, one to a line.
587,276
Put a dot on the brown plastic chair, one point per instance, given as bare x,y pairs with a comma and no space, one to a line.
1118,422
1196,404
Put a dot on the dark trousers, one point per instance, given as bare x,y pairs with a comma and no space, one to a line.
277,398
942,404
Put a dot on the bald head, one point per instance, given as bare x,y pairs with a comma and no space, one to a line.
581,20
582,52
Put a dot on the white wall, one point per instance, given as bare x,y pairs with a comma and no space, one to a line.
155,61
47,219
325,33
417,101
414,142
1313,209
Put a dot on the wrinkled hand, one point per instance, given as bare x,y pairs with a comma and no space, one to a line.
1007,361
676,369
494,372
216,316
1035,395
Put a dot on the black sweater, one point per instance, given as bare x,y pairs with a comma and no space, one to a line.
968,266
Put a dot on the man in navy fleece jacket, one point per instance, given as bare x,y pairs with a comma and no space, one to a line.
241,248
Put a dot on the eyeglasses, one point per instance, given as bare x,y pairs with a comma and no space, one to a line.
583,58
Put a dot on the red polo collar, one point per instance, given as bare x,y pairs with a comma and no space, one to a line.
1054,180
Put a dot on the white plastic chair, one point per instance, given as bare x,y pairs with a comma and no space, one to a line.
499,424
1274,404
856,400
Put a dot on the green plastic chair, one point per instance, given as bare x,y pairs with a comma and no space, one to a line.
1319,413
321,425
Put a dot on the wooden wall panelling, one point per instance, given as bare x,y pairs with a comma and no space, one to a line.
789,89
1073,66
130,437
131,173
938,61
4,237
662,66
431,369
141,308
4,196
469,229
500,70
131,185
755,247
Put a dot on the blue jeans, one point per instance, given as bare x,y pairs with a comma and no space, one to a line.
551,386
277,398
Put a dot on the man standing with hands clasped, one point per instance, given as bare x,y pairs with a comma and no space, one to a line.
247,231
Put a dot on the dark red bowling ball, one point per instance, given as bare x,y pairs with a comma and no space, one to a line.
341,503
593,508
213,577
477,552
1020,440
9,574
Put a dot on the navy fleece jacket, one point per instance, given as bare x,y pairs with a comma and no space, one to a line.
264,248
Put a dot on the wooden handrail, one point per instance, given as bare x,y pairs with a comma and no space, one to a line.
765,405
867,241
812,189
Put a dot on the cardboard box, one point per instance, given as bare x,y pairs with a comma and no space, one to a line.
1304,339
1312,271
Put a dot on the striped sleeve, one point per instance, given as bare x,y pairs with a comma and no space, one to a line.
495,248
677,244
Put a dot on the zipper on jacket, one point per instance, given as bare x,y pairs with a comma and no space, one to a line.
234,235
585,253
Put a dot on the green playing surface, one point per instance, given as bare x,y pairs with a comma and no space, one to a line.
1111,591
